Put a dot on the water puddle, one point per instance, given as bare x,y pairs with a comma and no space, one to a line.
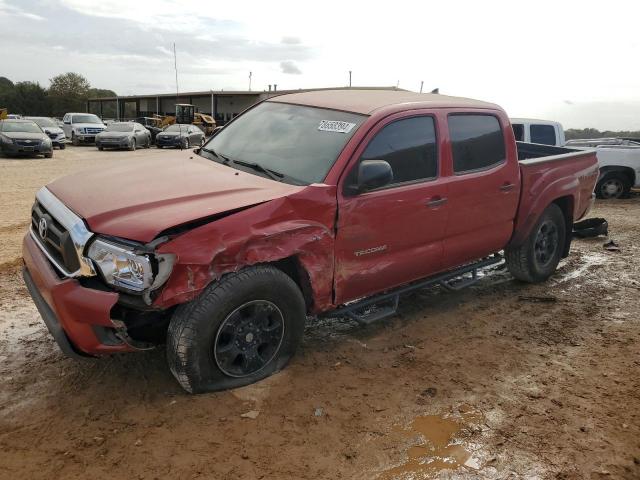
440,446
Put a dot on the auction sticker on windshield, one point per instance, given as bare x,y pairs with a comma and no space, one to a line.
336,126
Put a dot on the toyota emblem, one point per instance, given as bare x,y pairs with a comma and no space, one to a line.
29,141
42,228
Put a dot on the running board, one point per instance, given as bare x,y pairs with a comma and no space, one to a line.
381,306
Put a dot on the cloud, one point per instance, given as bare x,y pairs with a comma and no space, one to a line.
289,67
291,40
14,11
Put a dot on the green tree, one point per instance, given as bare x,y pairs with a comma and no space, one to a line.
28,98
100,93
68,93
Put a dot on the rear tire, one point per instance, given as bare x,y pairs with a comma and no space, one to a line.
613,185
537,258
240,329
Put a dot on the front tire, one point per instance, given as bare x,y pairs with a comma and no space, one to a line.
74,140
48,155
240,329
613,185
186,144
537,258
62,146
132,145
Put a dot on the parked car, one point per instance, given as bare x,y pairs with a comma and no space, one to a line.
14,116
82,127
619,160
24,137
129,135
180,136
152,124
545,132
307,204
51,128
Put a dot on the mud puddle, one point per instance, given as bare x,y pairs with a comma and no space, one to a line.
444,444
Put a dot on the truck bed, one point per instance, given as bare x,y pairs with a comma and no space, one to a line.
548,174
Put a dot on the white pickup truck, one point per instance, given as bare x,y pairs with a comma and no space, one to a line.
544,132
619,161
618,158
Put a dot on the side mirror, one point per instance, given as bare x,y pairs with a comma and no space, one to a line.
373,174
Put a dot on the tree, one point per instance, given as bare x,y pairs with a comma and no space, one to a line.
100,93
28,98
68,93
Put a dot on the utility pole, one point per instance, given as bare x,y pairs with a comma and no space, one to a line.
249,81
175,66
421,85
349,78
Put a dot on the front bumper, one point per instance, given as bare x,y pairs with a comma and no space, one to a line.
77,317
112,144
16,149
170,142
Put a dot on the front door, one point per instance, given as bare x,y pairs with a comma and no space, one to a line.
392,235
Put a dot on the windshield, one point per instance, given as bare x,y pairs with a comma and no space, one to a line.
85,119
29,127
176,128
44,122
120,127
298,141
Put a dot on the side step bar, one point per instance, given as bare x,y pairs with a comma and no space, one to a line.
372,309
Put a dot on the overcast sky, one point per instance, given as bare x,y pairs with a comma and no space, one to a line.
575,62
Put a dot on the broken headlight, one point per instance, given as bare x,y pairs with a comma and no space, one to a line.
121,266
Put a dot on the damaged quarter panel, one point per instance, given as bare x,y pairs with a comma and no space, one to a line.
297,225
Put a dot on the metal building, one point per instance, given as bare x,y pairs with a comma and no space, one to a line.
222,105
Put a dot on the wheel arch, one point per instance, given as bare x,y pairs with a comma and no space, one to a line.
626,171
566,205
294,269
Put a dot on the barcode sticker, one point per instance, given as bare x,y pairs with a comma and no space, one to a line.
335,126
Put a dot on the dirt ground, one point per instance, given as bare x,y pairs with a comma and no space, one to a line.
503,380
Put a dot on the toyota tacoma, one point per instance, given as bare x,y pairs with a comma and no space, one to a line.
307,204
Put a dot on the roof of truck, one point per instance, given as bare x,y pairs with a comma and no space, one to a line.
367,101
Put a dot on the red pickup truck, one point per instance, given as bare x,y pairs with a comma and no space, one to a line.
308,204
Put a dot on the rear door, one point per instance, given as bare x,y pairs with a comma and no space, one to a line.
392,235
483,189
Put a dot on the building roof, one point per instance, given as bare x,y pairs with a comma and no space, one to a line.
231,93
367,101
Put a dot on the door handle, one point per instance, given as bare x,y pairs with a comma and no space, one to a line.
507,187
436,202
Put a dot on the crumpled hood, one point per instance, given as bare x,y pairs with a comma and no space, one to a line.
141,198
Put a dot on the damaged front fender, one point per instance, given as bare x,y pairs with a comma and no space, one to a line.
300,225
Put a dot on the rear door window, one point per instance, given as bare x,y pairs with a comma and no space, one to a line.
477,142
545,134
409,146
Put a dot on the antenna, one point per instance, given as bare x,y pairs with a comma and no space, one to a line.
421,85
349,78
250,73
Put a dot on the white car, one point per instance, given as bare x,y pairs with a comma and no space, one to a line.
82,127
619,160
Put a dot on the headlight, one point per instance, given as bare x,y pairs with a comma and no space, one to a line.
120,266
6,140
47,142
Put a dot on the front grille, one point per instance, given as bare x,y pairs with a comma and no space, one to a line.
53,135
28,143
92,130
56,240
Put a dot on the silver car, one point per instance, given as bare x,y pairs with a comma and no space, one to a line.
51,128
129,135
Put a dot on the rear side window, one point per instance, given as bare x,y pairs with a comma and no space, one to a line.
518,131
544,134
477,142
409,146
